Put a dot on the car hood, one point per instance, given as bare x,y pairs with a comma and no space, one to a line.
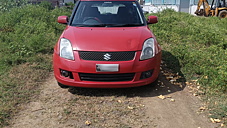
107,39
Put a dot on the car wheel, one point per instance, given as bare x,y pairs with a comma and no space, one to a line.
62,85
155,82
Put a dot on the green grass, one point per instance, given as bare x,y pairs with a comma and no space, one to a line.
199,44
28,34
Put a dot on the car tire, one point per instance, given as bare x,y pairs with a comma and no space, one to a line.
222,14
155,83
62,85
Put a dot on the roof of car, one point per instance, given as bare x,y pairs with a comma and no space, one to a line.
107,0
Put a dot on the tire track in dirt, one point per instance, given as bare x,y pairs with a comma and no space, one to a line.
101,108
45,110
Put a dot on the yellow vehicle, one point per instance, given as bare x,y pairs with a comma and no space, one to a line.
218,8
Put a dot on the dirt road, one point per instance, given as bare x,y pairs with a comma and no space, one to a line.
163,105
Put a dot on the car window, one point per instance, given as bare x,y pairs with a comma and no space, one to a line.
108,14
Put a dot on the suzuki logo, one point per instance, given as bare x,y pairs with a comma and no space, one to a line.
107,56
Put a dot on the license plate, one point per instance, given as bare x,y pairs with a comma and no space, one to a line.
107,67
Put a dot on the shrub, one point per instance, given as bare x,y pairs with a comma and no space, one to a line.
6,5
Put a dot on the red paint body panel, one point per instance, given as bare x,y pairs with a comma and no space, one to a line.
134,66
152,19
107,39
62,19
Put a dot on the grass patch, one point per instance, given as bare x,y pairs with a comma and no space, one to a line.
199,44
28,34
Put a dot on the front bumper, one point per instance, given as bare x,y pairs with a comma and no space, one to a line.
78,66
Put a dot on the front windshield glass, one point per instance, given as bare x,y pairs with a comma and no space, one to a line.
107,14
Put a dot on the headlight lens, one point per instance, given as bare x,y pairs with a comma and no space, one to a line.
148,50
66,50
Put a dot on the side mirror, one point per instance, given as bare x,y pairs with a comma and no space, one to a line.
152,19
63,19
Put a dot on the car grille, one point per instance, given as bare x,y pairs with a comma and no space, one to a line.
107,56
106,77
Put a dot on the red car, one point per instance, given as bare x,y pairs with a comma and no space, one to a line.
106,44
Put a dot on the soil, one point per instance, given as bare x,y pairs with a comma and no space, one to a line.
165,104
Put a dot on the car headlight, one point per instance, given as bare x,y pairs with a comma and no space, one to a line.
66,50
148,50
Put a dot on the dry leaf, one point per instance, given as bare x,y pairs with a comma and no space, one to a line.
212,120
215,120
161,97
195,94
172,80
194,80
181,86
169,77
179,77
119,101
142,105
88,123
187,83
169,97
202,108
222,125
172,100
130,107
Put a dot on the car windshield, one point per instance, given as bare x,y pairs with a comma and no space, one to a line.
107,14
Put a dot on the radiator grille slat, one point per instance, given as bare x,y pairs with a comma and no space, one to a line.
106,77
107,56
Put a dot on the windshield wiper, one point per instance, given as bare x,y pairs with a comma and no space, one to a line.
108,25
128,25
88,25
93,25
118,25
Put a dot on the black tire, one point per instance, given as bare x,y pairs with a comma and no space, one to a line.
155,83
62,85
223,14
